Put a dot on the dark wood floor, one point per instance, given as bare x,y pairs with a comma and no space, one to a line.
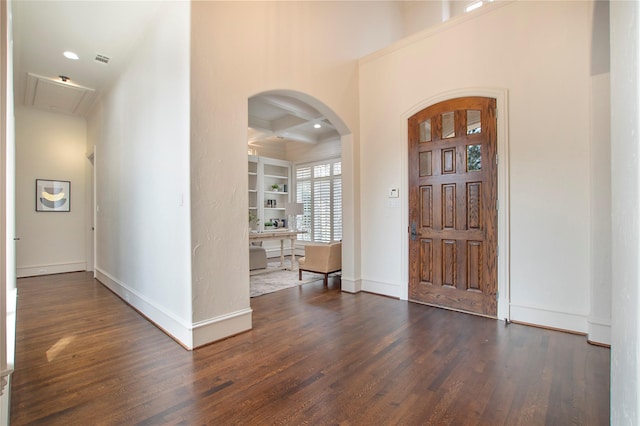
315,356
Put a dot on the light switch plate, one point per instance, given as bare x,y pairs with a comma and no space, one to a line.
394,193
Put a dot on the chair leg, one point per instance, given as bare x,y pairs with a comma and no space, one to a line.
299,274
326,279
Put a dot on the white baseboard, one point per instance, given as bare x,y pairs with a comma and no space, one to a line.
549,317
385,289
599,331
220,327
177,328
188,335
53,268
350,285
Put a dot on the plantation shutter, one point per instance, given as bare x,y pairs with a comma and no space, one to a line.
319,189
303,195
337,209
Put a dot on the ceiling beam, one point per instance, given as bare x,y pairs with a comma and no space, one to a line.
298,109
260,124
288,123
299,137
293,107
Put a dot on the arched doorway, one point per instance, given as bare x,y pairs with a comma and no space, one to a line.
503,238
301,130
453,205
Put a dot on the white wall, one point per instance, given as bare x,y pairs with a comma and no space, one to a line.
599,321
7,211
268,149
546,74
141,132
599,325
309,47
50,146
418,15
421,14
625,184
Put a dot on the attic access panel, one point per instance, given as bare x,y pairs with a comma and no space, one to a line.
57,96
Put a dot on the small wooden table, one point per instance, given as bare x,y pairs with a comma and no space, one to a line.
284,234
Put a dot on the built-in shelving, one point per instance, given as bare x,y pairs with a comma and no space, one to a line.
269,184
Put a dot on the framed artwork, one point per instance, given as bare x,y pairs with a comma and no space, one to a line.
53,195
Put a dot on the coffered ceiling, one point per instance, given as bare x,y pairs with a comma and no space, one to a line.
280,118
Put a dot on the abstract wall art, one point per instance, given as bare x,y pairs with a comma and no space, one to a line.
53,195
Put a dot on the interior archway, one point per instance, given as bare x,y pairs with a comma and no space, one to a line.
300,129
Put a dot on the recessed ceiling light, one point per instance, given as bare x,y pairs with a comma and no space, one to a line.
317,126
71,55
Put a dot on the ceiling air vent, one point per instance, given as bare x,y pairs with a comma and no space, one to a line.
102,59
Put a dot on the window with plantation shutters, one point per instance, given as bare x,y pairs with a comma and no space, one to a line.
319,189
337,209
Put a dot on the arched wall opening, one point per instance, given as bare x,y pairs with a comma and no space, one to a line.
300,129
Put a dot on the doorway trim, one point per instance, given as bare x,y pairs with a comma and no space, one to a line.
92,188
502,110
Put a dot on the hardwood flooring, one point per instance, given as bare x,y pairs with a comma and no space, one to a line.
315,356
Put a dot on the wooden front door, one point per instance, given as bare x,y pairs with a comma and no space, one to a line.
453,206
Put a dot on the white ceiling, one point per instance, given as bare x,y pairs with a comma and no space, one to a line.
43,30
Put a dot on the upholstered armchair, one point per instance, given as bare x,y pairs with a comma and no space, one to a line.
257,257
322,259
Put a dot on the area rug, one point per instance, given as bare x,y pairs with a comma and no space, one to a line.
268,282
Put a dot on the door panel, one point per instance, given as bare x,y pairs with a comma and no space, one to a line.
426,259
452,205
474,216
427,210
